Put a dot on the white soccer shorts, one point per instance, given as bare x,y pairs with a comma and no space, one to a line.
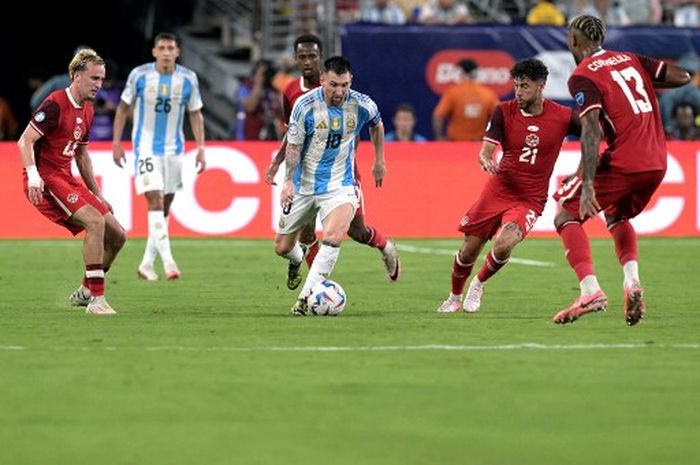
306,207
158,173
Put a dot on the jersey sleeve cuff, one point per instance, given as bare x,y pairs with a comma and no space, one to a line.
589,108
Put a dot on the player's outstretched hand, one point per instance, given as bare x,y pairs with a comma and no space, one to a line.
589,204
378,171
35,185
118,155
287,196
271,172
487,164
200,162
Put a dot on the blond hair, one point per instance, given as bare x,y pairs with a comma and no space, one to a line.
591,27
81,59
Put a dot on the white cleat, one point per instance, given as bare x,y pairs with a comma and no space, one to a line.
172,271
390,257
451,305
81,297
147,273
99,306
472,302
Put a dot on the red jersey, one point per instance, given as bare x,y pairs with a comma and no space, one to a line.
64,125
530,146
292,92
620,84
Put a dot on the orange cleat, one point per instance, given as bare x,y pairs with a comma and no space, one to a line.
596,302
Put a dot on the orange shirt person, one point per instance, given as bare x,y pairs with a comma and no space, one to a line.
467,106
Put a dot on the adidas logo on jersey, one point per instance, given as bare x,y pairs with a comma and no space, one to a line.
322,125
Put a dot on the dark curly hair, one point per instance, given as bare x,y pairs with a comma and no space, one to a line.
531,68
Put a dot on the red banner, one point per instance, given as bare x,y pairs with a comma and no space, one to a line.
427,189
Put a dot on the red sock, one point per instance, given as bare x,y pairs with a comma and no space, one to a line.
460,273
625,239
490,266
95,277
85,282
577,249
376,238
311,253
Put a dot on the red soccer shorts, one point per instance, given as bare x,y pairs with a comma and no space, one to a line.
62,197
488,214
620,195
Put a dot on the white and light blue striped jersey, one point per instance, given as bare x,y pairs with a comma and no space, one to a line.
327,136
159,102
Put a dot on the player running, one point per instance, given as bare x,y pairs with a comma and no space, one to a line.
307,50
530,130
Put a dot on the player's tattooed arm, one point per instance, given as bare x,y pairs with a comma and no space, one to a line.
591,135
291,159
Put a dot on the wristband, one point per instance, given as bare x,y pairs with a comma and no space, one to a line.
33,178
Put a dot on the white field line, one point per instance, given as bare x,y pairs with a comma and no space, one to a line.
435,251
396,348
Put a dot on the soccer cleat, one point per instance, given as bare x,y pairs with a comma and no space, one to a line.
294,270
583,305
634,304
99,306
81,297
450,305
390,257
171,271
472,302
147,273
300,308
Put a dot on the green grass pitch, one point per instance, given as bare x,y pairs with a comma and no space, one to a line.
211,370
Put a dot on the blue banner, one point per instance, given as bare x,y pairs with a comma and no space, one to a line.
415,64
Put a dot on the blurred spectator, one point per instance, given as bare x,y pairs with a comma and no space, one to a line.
56,82
384,12
687,15
106,104
404,122
286,72
8,121
467,106
347,11
689,94
611,12
444,12
259,105
642,11
684,117
545,13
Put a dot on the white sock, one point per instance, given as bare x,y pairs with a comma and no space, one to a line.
322,267
149,255
589,285
296,255
158,233
631,270
456,297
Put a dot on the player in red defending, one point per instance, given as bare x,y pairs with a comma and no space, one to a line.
530,130
614,92
307,52
58,133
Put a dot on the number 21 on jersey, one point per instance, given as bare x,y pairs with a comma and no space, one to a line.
625,77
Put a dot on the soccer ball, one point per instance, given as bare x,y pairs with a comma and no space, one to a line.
326,298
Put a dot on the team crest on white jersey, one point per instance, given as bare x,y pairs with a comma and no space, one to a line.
39,117
335,123
532,140
350,123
